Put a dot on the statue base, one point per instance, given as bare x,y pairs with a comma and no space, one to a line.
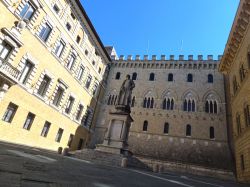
116,138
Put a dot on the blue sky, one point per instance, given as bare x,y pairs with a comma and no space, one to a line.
163,26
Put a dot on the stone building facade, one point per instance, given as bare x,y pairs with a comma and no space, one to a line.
52,64
178,108
235,65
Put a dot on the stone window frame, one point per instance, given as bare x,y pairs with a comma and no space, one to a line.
39,81
212,132
64,86
63,53
48,42
81,103
96,83
36,5
7,36
165,103
28,57
71,113
77,72
90,117
72,52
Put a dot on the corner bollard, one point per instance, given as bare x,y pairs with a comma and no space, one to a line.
155,168
160,169
59,150
65,151
124,162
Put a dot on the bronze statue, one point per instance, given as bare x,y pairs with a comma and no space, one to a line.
125,93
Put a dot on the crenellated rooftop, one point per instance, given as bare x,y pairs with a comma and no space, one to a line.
164,58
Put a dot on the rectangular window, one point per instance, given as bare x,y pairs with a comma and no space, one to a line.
68,26
27,11
45,32
80,73
94,89
59,49
86,120
59,135
88,82
26,72
10,112
71,136
45,130
5,50
29,120
58,96
44,86
69,104
71,62
79,112
56,8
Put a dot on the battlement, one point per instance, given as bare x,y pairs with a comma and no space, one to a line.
163,58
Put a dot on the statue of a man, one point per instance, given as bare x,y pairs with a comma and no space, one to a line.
124,97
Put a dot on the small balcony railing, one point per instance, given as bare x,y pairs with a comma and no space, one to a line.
10,71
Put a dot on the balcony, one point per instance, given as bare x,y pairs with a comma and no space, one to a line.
9,73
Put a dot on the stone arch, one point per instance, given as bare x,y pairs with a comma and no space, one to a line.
190,93
211,94
170,93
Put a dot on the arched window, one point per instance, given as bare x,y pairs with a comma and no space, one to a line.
172,105
145,103
188,130
109,100
193,106
145,125
211,132
189,106
215,107
134,76
133,102
185,105
207,107
118,75
115,100
152,77
152,103
170,77
168,104
148,103
210,78
189,77
164,104
166,128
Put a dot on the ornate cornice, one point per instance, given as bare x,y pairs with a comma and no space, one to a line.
236,36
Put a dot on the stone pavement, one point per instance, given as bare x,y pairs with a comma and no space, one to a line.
27,167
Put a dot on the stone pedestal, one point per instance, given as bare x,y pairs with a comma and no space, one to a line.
116,137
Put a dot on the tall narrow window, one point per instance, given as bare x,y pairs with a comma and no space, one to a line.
29,120
59,135
189,106
188,130
59,48
80,73
88,81
69,105
210,78
26,72
207,107
58,96
164,104
134,76
238,123
172,105
5,50
242,72
242,162
211,132
86,120
109,100
45,32
247,115
71,136
145,103
170,77
27,11
71,61
152,103
145,126
215,107
166,128
185,105
235,84
189,77
152,77
94,88
79,112
44,86
45,130
118,75
10,112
